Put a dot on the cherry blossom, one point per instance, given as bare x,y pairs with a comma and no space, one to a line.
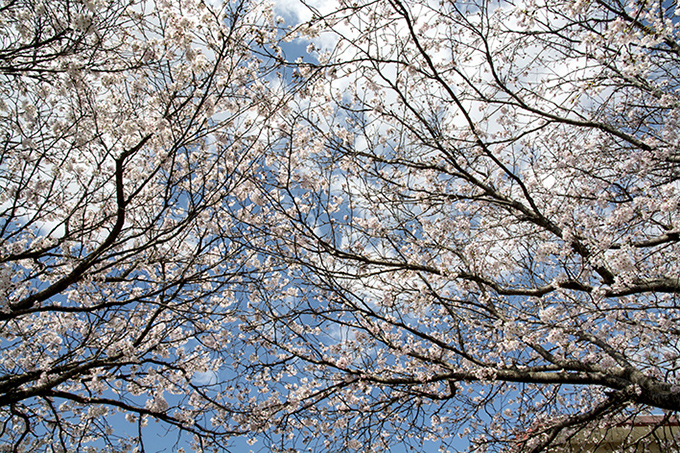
477,206
128,128
451,223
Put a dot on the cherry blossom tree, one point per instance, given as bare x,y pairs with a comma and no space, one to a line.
464,223
127,129
478,208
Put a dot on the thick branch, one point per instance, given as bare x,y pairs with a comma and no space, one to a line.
77,273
